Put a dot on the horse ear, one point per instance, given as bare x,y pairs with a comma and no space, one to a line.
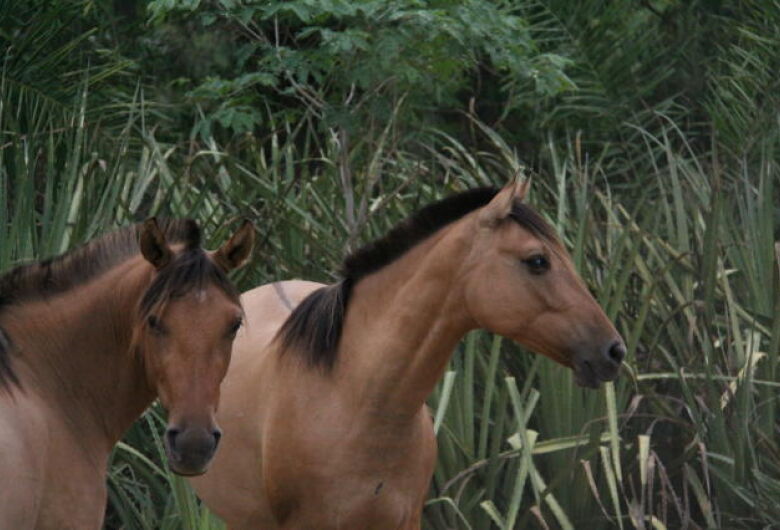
236,251
521,188
153,245
501,205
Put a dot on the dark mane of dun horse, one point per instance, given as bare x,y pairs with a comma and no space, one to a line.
314,327
191,268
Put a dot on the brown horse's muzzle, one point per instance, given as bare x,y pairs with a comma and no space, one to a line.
593,368
190,449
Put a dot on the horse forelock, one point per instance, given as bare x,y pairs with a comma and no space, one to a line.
527,217
190,270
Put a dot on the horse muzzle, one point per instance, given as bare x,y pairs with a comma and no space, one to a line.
591,370
190,450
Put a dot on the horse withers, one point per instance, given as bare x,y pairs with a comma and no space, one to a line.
339,436
88,340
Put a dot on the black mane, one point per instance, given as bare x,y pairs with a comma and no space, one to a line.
314,327
35,281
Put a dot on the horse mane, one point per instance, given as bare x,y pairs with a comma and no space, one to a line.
314,327
190,267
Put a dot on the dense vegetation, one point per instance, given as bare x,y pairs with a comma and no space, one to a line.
650,127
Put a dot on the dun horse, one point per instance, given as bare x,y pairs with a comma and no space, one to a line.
87,341
324,408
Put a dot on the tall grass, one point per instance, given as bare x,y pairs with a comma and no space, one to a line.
686,266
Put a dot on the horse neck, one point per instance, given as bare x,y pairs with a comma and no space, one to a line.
403,323
75,353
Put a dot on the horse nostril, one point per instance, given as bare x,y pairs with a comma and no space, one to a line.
217,434
617,352
171,435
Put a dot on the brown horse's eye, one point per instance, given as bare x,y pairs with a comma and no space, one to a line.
155,325
234,329
537,264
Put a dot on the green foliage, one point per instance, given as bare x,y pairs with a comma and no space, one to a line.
350,61
52,56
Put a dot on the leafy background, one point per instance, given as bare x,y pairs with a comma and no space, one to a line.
651,131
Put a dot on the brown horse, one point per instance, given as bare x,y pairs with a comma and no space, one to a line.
87,341
324,408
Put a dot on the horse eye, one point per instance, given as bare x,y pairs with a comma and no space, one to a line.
155,325
537,264
234,328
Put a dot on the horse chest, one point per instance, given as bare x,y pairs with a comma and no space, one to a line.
358,483
377,505
348,504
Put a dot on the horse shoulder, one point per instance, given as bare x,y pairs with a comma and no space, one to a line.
23,449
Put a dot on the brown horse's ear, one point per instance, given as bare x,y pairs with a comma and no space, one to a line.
153,246
521,188
501,205
236,251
